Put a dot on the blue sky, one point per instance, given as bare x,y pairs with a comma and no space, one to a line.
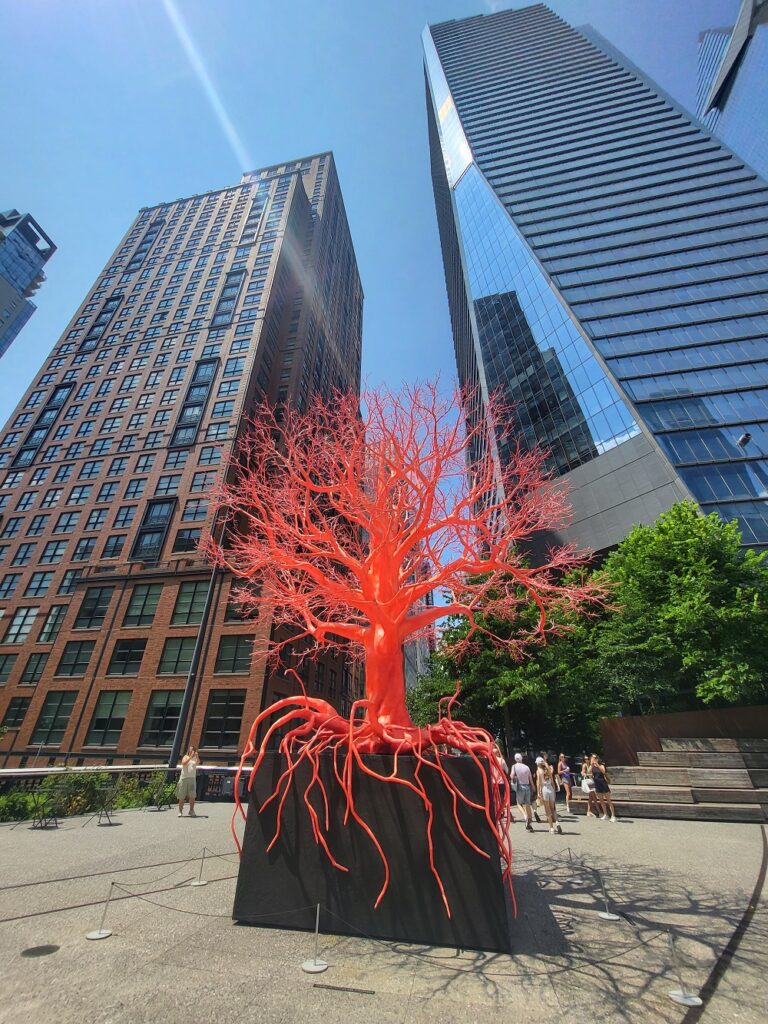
104,113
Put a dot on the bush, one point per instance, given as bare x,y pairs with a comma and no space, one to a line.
15,806
76,792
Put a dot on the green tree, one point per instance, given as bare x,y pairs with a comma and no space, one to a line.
688,627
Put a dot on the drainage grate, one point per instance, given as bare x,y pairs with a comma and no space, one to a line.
40,950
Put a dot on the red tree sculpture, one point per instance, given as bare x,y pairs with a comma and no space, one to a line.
341,522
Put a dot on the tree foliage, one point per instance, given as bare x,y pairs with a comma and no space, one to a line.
688,628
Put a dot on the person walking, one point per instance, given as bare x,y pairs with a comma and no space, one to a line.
588,788
499,776
522,783
565,775
602,789
186,787
545,788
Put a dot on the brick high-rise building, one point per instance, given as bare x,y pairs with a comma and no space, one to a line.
108,610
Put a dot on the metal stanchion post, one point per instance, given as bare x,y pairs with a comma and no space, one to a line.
575,879
680,995
102,932
607,914
315,966
200,880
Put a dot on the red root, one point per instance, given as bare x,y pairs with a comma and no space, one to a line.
313,727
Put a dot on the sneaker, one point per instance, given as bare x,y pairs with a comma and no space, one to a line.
552,829
192,814
181,815
590,814
536,818
558,829
614,818
528,827
603,817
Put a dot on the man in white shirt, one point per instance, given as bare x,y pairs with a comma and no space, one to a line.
522,783
186,787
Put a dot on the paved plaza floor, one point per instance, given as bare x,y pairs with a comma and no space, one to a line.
175,954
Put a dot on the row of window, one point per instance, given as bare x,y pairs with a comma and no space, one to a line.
233,656
221,728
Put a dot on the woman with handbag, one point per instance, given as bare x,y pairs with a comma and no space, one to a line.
588,788
545,788
602,789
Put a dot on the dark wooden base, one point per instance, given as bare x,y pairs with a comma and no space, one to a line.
273,887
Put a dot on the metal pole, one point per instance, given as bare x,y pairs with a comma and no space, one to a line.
680,995
102,932
607,914
315,966
200,880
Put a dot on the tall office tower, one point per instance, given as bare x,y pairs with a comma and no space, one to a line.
24,250
208,304
732,93
606,268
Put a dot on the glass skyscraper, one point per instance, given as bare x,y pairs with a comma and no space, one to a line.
109,611
606,268
732,93
24,250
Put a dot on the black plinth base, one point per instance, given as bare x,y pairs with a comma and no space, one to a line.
271,887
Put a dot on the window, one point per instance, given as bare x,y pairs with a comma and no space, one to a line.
107,493
74,660
63,473
38,525
54,717
108,718
8,585
186,540
168,484
93,609
203,481
223,718
196,508
216,431
127,443
39,476
114,545
38,584
176,460
331,682
33,669
23,554
210,456
16,711
66,522
162,718
143,604
135,488
51,497
319,676
177,655
190,603
26,501
90,469
20,625
83,549
52,624
234,654
12,527
222,410
96,519
124,516
69,581
126,658
53,552
234,366
117,467
144,463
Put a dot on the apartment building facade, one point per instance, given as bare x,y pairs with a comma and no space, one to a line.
109,614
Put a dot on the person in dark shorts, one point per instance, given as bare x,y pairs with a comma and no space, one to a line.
522,783
565,775
602,789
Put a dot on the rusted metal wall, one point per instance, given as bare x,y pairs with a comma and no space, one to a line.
623,737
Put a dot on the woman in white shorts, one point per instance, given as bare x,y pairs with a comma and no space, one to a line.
545,788
186,786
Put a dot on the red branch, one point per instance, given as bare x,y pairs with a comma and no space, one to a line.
341,522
